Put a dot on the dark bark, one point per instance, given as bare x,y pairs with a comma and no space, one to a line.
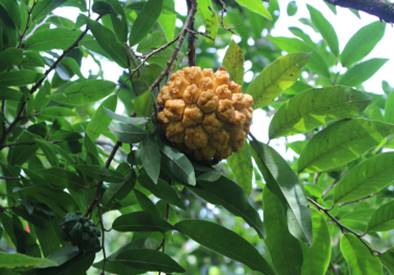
379,8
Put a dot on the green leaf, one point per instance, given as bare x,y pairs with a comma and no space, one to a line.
289,260
167,19
225,242
128,133
317,257
361,72
366,178
362,43
56,111
341,143
383,218
292,8
180,165
150,157
13,12
211,18
136,121
234,200
84,91
10,94
143,260
389,109
10,57
17,260
44,7
146,204
284,183
145,20
233,62
49,39
316,107
100,120
387,258
77,265
117,14
143,104
140,222
110,43
276,77
162,190
325,28
18,78
255,6
241,164
358,257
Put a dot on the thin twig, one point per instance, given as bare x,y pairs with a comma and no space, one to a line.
201,33
222,12
27,26
152,53
329,188
170,62
36,86
99,192
341,226
102,240
162,244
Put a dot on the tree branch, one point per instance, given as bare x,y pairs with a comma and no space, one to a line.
379,8
99,192
170,62
343,227
191,54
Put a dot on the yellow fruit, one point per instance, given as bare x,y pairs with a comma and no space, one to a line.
204,114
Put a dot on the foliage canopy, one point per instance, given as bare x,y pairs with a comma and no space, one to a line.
89,184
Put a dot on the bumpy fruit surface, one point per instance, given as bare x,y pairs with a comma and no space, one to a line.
204,114
81,232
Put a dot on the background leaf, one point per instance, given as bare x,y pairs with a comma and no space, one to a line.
234,200
150,157
225,242
110,44
59,38
140,221
317,257
284,248
362,43
341,143
18,260
145,20
383,218
358,257
361,72
233,62
256,7
100,120
316,107
276,77
241,164
81,92
366,178
325,29
143,260
284,183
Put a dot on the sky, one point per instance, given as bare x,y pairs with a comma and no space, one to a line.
344,22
